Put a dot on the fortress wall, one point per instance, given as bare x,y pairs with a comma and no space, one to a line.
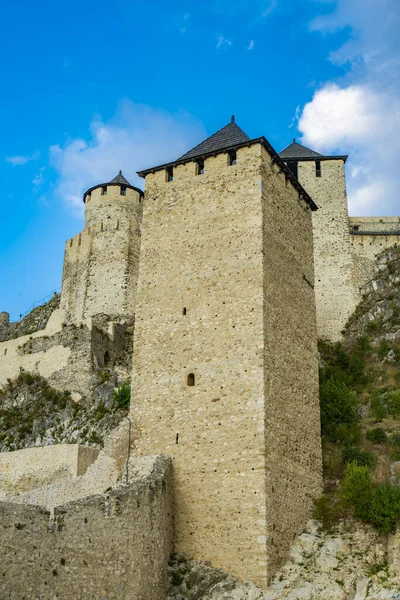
365,249
292,419
24,469
202,251
384,224
113,546
336,294
16,353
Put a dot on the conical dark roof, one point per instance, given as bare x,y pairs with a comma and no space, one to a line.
228,136
120,179
296,150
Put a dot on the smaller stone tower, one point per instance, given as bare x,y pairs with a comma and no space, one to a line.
324,179
101,263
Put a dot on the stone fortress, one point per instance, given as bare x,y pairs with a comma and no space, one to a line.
225,272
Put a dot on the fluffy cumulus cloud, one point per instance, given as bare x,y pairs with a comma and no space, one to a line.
360,114
138,137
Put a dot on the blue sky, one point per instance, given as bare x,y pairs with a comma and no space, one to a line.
91,87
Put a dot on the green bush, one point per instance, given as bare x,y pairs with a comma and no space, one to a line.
362,458
122,395
338,410
384,348
395,439
378,408
377,435
357,491
385,508
378,505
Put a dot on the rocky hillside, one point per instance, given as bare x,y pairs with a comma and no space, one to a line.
32,413
35,320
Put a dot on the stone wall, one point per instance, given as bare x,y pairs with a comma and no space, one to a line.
111,546
25,469
200,311
335,291
69,355
292,419
101,263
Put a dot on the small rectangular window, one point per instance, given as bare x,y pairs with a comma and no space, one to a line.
104,190
170,173
292,166
232,158
123,190
356,228
200,167
318,168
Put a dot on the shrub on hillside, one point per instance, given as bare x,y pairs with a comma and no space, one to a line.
357,491
377,435
385,508
378,505
122,395
339,408
362,458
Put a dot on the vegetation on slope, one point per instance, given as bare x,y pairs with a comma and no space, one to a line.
360,408
32,413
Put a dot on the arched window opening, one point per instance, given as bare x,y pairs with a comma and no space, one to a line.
123,190
106,358
170,173
200,167
104,190
190,379
184,311
232,159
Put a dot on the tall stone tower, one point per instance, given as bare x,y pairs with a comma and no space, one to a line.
324,179
225,362
101,263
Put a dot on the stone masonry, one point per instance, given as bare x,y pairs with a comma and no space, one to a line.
225,301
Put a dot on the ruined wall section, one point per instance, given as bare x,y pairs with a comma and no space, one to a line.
292,419
101,263
200,311
24,469
369,237
111,546
336,293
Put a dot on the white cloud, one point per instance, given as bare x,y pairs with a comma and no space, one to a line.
38,179
136,138
295,118
185,20
223,43
22,160
360,115
251,45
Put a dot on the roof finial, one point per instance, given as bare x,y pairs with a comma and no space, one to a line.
120,172
294,140
232,118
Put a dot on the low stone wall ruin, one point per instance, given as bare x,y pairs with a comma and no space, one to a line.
109,546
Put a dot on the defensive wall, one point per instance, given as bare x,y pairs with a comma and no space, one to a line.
114,545
68,355
32,467
225,363
369,237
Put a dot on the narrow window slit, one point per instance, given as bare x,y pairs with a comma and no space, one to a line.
190,379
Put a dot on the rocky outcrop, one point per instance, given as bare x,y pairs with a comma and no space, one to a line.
32,413
352,563
35,320
378,313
